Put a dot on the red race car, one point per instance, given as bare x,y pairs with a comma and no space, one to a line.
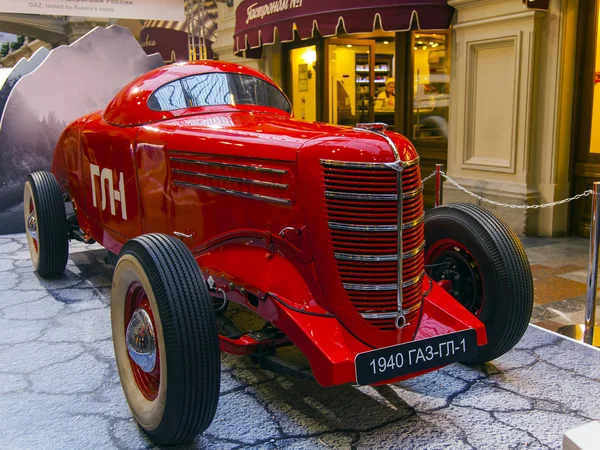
219,204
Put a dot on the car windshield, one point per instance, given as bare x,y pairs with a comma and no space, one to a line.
212,89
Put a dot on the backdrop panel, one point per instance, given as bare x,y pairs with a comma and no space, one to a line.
115,9
72,81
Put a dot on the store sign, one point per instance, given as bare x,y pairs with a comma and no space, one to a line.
258,11
116,9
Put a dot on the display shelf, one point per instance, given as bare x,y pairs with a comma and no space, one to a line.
382,70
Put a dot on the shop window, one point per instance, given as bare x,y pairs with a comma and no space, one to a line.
361,86
431,92
595,135
304,82
385,84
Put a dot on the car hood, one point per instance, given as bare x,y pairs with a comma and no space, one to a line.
260,135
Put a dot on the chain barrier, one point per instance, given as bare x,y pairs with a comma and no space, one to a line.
431,175
508,205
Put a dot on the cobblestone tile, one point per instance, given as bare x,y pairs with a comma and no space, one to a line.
59,386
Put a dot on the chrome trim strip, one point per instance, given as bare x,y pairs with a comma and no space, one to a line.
370,287
365,127
232,166
412,162
228,178
351,257
232,192
394,257
414,252
400,319
383,287
353,165
355,227
381,197
375,228
364,165
414,223
412,309
413,281
358,196
381,315
412,194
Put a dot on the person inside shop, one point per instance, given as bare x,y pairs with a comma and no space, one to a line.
386,99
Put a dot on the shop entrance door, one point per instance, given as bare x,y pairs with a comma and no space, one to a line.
586,115
350,76
427,93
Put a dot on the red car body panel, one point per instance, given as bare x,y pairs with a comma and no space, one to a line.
129,171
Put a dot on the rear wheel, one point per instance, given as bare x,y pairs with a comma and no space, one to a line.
46,224
481,262
165,338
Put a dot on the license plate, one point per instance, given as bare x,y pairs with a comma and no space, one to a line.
391,362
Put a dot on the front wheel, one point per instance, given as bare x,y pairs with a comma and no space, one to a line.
165,338
481,263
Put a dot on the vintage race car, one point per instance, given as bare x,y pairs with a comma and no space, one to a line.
214,202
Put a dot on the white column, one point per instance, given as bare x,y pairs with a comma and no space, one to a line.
226,28
510,111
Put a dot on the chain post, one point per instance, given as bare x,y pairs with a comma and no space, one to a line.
592,281
438,185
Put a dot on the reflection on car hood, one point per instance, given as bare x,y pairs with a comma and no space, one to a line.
283,135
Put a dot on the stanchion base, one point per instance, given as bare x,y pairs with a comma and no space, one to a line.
577,332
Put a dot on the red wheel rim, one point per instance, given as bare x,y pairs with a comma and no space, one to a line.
452,266
147,382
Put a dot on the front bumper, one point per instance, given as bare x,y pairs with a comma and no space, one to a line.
331,348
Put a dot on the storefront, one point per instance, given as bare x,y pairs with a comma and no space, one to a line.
586,112
505,125
346,62
170,38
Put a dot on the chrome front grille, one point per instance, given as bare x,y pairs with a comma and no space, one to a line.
362,210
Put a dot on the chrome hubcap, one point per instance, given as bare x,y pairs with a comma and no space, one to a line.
141,340
32,226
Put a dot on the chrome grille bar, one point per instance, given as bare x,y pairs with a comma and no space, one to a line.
389,315
359,196
364,165
382,287
383,197
391,257
359,227
356,227
380,315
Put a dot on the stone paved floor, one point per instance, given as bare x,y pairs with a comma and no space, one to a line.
59,387
559,267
